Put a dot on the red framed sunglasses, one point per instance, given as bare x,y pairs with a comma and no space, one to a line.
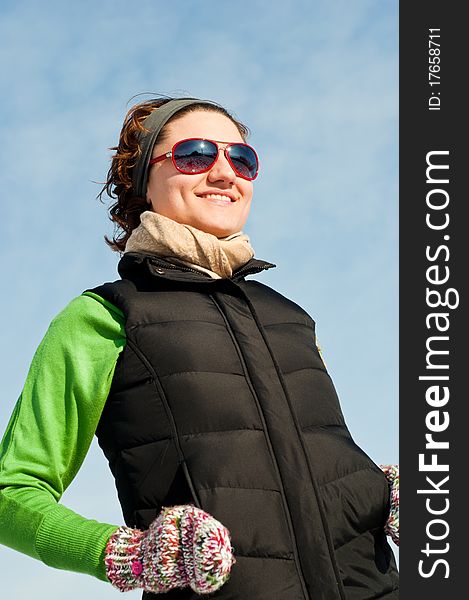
198,155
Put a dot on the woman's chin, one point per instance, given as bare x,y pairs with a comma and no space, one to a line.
216,229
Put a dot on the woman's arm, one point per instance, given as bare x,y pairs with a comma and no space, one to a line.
50,432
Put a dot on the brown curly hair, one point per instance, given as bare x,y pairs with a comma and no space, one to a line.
126,211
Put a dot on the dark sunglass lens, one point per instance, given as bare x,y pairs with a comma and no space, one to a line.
195,156
244,160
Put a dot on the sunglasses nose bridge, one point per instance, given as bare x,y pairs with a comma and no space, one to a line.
223,148
219,164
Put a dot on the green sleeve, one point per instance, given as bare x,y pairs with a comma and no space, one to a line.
49,435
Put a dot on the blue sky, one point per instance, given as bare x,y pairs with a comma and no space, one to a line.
316,82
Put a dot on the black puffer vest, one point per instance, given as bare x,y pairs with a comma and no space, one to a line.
220,398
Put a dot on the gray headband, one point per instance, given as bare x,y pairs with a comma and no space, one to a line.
155,123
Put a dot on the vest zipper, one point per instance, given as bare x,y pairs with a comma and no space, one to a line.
184,268
251,270
327,535
269,444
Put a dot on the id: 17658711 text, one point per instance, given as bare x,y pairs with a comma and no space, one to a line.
434,68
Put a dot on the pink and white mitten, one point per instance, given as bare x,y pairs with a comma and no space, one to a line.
184,546
392,524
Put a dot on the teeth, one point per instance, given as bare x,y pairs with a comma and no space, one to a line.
217,197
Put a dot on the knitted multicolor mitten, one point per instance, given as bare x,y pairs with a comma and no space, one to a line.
184,546
392,525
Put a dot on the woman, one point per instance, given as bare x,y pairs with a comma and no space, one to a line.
235,470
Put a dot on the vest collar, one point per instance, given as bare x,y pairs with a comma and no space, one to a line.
160,267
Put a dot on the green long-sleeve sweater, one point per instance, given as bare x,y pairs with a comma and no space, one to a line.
49,435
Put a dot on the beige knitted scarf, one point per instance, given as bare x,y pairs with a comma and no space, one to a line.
190,246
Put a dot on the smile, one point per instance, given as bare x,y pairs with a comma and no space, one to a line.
218,197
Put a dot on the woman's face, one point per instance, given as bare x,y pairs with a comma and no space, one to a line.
186,198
